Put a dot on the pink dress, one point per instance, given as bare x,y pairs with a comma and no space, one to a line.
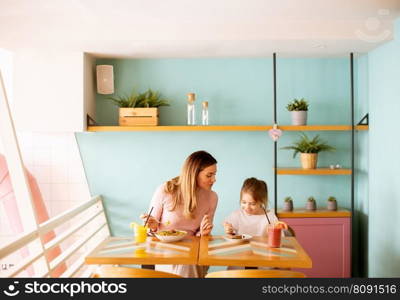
162,203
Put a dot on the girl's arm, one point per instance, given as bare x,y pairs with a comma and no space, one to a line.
233,221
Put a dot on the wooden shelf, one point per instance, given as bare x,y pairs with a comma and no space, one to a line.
320,213
181,128
322,127
318,171
224,128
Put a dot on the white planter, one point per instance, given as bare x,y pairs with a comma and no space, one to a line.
299,117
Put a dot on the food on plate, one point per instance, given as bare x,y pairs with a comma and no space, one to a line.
172,232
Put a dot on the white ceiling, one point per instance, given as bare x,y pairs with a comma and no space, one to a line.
206,28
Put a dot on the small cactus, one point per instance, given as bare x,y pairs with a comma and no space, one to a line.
332,199
311,199
288,199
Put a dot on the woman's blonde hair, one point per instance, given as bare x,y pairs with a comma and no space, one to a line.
183,188
257,189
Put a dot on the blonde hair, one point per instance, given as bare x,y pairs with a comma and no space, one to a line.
257,189
183,188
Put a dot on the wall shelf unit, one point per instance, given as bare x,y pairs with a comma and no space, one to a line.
225,128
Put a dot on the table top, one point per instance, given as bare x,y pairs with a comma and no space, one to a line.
124,250
219,251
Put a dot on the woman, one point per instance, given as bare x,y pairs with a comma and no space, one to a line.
186,203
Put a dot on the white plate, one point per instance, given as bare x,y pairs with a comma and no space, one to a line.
245,237
171,238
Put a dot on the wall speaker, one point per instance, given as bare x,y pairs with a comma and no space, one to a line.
105,79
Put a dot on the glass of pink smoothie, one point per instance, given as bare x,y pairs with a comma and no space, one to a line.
274,236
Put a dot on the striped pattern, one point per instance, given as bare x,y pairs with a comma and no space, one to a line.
124,250
220,246
128,246
216,251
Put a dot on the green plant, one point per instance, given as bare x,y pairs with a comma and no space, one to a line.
306,145
288,199
333,199
311,199
148,98
298,105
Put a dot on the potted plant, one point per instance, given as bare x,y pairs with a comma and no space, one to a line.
311,204
139,109
332,203
298,109
288,204
309,149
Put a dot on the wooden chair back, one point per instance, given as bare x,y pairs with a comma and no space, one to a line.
124,272
255,274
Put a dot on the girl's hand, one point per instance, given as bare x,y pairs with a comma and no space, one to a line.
152,223
205,226
228,228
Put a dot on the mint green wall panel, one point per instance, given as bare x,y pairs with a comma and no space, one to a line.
384,159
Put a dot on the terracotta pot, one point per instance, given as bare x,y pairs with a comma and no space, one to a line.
332,205
309,160
288,205
299,117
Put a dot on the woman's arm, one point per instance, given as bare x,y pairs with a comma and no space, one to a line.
157,204
206,224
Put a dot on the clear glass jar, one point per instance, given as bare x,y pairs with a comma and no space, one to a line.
191,116
204,113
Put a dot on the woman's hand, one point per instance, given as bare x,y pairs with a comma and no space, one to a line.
205,226
152,223
228,228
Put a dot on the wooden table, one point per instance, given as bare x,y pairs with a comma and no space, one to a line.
123,250
217,251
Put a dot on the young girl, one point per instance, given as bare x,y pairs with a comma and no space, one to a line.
251,218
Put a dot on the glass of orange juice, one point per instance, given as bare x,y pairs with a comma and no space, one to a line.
140,232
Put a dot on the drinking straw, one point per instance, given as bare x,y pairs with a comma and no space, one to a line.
148,216
266,215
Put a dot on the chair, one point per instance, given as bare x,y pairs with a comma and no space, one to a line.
255,274
123,272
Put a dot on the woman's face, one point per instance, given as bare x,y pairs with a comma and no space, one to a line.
206,177
249,205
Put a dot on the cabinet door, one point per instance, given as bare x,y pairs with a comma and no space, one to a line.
327,242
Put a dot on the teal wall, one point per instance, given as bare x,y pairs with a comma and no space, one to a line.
384,159
126,167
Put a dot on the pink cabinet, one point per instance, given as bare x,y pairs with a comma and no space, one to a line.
327,242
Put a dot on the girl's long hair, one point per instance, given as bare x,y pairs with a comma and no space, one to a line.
257,189
183,188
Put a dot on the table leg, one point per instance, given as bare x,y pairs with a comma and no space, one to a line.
149,267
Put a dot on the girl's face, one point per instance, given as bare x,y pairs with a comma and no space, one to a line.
249,205
206,177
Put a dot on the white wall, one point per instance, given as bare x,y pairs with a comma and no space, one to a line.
48,89
6,68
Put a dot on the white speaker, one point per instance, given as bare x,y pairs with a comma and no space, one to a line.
105,79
